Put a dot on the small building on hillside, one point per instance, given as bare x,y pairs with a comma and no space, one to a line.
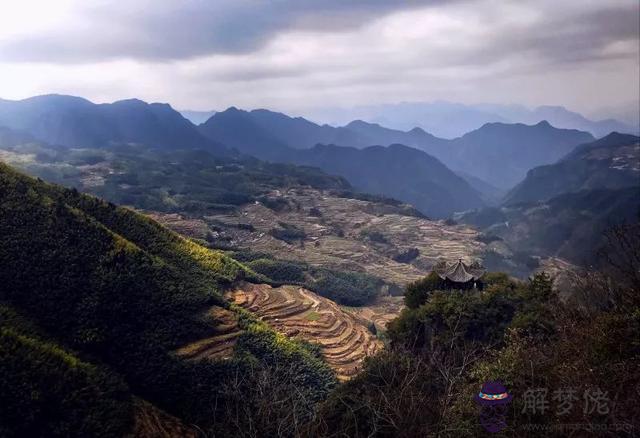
459,275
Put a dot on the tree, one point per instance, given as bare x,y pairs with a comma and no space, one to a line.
417,292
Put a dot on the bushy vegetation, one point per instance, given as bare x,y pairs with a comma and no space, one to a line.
179,181
407,256
417,292
488,238
348,288
288,232
280,271
120,290
373,236
445,345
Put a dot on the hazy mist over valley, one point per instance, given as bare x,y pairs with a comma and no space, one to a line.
319,219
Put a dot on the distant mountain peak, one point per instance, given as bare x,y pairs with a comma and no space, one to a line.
132,101
76,122
54,99
618,137
361,123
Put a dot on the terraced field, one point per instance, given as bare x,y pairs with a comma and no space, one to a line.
335,234
343,337
221,342
380,312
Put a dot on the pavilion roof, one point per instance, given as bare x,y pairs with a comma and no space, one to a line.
460,272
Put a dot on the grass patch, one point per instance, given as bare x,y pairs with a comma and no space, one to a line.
312,316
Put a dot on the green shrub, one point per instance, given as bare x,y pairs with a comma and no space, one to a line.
288,232
348,288
279,271
407,256
373,236
416,293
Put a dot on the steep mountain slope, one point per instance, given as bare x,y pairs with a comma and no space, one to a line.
489,194
95,299
568,226
11,137
77,122
266,132
372,133
612,162
245,129
397,171
501,154
518,147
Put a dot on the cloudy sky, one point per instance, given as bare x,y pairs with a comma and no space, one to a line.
297,55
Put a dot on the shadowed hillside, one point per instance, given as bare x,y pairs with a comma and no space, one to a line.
613,162
95,298
501,154
517,147
397,171
77,122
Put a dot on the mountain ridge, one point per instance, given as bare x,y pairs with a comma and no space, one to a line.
451,120
612,162
77,122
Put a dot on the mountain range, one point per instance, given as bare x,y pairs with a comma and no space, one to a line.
76,122
517,147
562,209
413,166
501,154
450,120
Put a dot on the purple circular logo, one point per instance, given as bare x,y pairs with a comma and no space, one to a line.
493,400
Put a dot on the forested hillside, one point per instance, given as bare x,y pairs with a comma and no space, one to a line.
612,162
535,341
397,171
561,209
77,122
95,298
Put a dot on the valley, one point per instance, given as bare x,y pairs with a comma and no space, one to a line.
383,240
368,219
281,277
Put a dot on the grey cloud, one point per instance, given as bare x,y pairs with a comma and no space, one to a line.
568,36
582,36
165,30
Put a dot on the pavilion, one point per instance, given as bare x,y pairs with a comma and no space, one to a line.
459,275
